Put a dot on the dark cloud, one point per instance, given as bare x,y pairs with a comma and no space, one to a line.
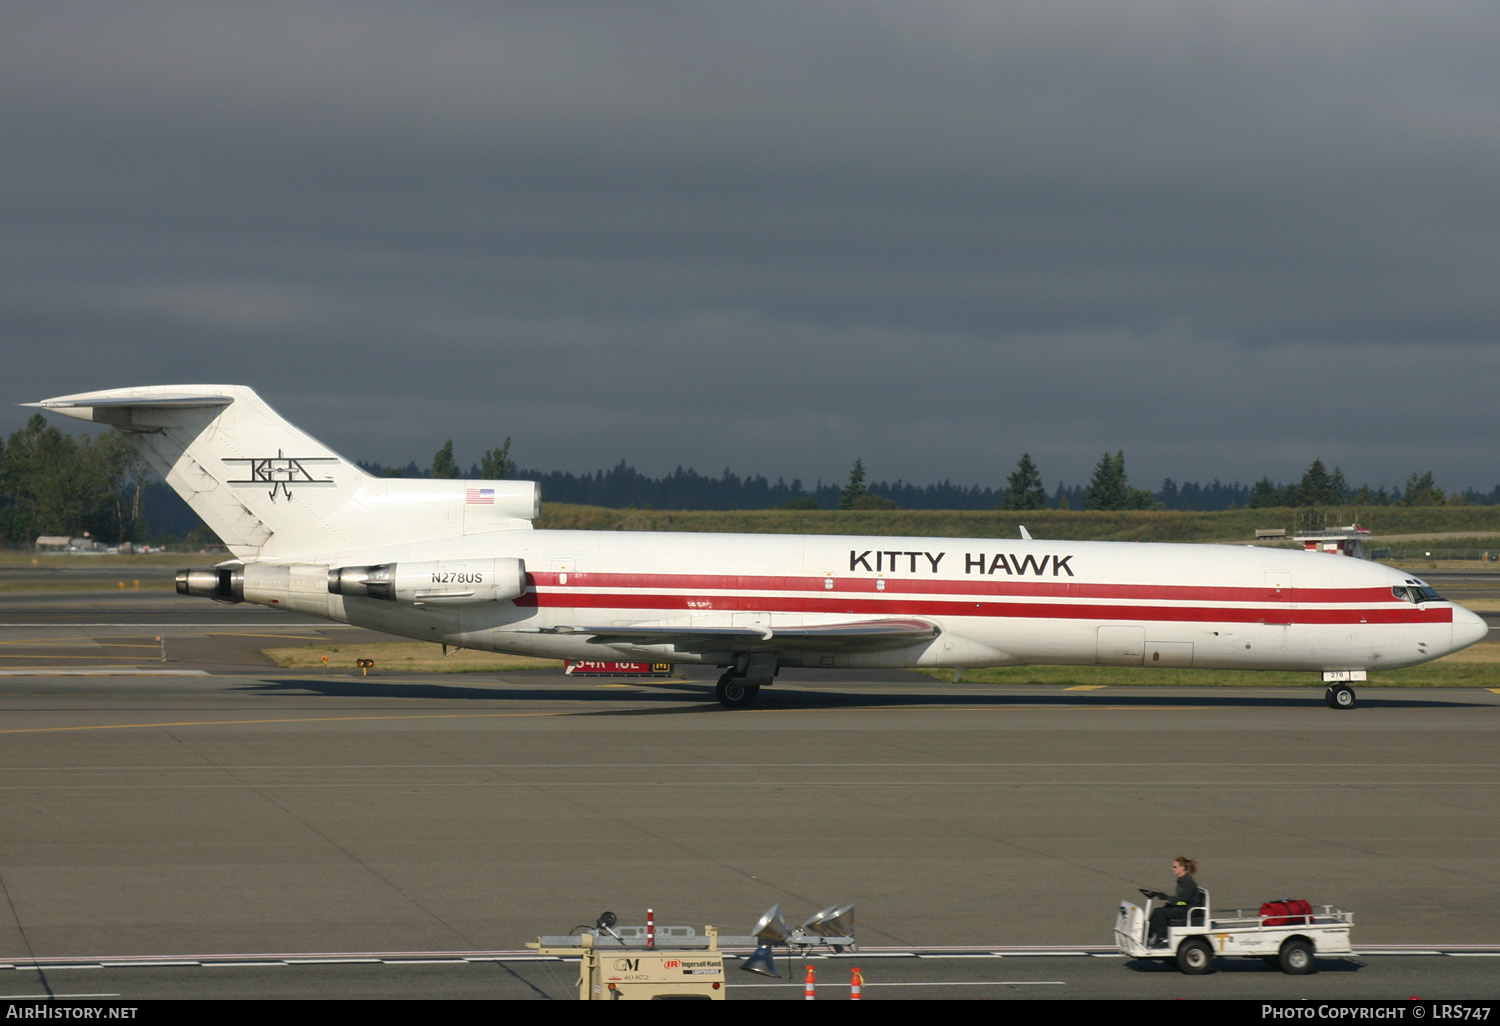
1224,237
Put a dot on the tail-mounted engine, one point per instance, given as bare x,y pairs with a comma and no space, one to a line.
221,583
445,581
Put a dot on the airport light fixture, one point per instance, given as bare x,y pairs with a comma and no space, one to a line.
832,927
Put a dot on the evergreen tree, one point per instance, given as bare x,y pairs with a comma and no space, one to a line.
1338,488
1110,489
1024,488
496,463
1264,495
1421,491
1170,495
1313,490
443,464
1106,488
855,489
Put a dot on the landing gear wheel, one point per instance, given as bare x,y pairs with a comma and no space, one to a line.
1194,956
734,692
1340,696
1296,957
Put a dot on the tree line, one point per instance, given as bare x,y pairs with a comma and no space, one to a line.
57,484
1108,488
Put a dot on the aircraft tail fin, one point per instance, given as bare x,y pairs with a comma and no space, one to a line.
271,491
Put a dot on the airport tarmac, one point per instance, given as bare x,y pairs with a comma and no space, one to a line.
214,808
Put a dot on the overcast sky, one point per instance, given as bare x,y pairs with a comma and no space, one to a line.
1226,238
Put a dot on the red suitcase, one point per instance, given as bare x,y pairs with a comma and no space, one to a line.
1286,912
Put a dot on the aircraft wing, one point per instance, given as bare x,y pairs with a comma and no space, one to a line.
853,634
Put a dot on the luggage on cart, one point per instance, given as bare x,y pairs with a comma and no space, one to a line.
1286,912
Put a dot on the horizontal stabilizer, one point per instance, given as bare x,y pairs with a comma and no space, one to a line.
80,406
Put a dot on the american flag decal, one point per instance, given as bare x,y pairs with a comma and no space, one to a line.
479,496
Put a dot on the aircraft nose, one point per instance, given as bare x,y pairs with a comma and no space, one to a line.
1468,628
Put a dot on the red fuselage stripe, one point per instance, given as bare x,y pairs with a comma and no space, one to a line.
1388,612
988,587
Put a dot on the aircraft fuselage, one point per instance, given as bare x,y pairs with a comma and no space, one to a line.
992,602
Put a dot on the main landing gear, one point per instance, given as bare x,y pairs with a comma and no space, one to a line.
735,691
743,680
1339,696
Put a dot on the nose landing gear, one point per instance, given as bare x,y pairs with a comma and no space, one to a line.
1339,696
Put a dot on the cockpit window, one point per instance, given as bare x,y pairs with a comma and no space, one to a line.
1416,591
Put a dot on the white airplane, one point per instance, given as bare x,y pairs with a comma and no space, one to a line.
457,562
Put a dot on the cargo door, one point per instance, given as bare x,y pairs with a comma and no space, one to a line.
1121,646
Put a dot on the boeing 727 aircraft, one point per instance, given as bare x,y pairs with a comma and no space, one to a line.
458,562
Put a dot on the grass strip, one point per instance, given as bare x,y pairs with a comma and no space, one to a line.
407,657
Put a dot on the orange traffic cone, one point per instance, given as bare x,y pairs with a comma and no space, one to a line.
856,985
809,991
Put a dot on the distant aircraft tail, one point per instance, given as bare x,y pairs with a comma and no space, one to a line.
272,492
